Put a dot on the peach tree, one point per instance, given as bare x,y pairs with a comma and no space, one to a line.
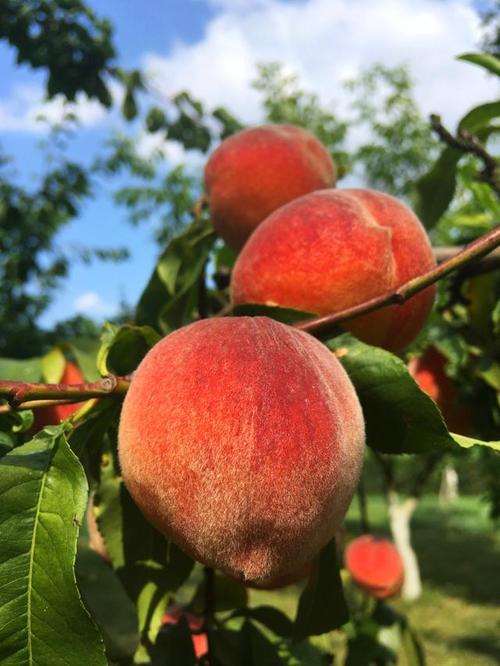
140,597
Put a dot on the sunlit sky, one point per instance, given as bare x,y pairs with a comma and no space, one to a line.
211,47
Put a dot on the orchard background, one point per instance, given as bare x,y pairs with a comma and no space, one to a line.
138,598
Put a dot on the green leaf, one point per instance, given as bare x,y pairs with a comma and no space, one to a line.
261,651
468,442
27,370
174,646
399,417
284,315
479,116
129,105
155,119
149,567
170,297
43,494
270,617
486,60
86,440
436,189
411,646
85,351
228,594
122,352
322,606
53,364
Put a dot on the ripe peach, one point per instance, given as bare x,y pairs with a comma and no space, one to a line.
375,565
256,171
428,371
96,542
241,439
333,249
54,415
195,624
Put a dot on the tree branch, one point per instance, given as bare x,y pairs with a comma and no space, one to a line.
470,143
18,394
490,262
423,476
475,250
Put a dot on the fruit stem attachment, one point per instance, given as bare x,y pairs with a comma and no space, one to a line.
21,394
475,250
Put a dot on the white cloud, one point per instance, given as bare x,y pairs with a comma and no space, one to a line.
150,145
91,303
21,111
325,42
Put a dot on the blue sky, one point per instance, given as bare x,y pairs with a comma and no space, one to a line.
211,47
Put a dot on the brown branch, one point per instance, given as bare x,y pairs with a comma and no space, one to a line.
490,262
475,250
18,394
469,143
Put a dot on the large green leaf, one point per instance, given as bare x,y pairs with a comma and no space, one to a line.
53,364
486,60
399,417
436,189
124,348
468,442
43,494
284,315
322,606
480,116
27,370
170,297
85,351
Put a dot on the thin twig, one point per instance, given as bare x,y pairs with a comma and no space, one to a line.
470,143
478,248
423,476
19,393
35,404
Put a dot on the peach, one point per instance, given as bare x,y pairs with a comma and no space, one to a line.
375,565
195,623
256,171
241,439
428,371
55,414
333,249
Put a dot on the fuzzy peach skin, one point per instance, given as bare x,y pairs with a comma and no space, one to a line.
288,579
57,413
428,371
375,565
333,249
242,439
256,171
